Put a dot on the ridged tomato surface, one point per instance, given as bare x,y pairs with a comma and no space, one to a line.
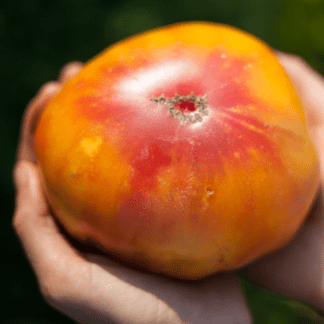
183,150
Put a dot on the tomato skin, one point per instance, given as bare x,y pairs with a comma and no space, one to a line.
184,187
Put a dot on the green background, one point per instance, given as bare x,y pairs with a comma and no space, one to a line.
39,37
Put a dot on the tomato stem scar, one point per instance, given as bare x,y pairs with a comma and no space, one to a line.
190,108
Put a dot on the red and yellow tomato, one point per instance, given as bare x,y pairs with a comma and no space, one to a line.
183,150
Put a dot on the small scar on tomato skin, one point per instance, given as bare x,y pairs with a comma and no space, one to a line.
221,259
209,191
189,108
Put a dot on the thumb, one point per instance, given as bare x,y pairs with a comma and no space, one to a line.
44,245
28,189
30,200
21,177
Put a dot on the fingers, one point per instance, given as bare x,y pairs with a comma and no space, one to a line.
25,147
84,289
29,196
49,253
309,85
69,71
297,269
98,289
36,106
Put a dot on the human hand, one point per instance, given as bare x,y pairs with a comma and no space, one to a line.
297,270
91,288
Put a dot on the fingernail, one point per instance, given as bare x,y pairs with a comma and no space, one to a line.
21,176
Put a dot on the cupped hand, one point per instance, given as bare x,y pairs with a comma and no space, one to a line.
94,289
297,270
91,288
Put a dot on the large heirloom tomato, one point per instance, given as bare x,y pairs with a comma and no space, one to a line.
183,151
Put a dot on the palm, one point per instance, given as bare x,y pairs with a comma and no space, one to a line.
170,301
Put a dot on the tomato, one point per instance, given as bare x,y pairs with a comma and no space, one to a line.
183,150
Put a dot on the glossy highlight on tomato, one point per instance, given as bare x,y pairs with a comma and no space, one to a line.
183,150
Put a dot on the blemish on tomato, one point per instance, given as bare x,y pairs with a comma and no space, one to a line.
189,108
91,145
209,191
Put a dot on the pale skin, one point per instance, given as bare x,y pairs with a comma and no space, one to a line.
90,288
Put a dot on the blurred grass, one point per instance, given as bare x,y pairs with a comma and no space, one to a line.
270,308
38,37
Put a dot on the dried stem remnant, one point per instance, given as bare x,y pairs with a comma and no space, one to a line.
196,115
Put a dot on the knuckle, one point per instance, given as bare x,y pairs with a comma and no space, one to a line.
299,62
69,70
17,223
49,87
50,295
53,288
72,65
58,284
